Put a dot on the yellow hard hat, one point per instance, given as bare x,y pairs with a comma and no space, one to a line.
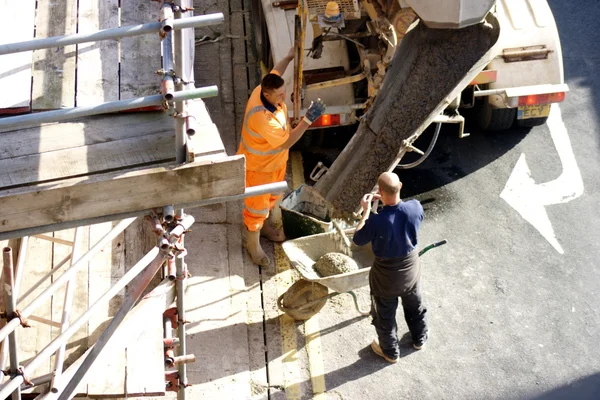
332,9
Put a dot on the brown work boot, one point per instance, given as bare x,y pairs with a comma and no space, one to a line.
272,233
377,349
252,243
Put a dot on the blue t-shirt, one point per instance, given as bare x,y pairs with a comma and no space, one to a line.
393,231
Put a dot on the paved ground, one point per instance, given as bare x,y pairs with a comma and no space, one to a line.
511,316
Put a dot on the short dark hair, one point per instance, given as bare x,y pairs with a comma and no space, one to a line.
271,82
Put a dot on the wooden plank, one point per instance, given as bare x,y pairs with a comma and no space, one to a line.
207,139
132,363
160,298
54,68
139,239
146,348
140,55
104,270
77,344
216,301
145,351
15,69
81,132
108,194
14,245
31,340
249,274
98,62
78,161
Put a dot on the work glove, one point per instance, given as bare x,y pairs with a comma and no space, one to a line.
315,110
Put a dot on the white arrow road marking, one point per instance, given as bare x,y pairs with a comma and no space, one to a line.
529,199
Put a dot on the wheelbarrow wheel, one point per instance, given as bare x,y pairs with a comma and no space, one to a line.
301,293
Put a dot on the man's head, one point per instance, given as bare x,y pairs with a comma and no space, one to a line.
273,88
389,188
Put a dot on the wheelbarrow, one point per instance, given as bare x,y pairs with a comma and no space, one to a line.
307,296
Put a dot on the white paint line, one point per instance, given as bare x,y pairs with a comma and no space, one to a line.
529,199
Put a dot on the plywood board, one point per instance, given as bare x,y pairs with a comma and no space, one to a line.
140,55
15,69
114,193
97,62
54,68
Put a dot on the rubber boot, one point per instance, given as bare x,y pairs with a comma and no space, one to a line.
270,232
252,243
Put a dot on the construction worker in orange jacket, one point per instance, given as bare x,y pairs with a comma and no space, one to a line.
266,139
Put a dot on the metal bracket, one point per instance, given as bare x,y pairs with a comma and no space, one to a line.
173,316
172,381
318,171
453,119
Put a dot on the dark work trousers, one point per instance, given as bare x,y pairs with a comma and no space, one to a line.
383,312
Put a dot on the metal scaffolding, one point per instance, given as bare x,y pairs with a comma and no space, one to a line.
169,223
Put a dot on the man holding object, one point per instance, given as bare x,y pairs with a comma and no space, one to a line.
266,140
396,271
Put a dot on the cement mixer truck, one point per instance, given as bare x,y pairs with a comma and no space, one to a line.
399,66
344,53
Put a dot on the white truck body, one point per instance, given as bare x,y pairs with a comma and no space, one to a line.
528,61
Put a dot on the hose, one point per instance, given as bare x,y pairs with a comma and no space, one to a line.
429,149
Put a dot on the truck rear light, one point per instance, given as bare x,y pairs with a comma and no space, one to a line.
537,99
326,120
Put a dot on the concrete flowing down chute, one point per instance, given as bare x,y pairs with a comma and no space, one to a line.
430,68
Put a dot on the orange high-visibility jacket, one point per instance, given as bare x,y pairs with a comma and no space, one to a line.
263,133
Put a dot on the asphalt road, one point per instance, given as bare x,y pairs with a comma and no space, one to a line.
513,296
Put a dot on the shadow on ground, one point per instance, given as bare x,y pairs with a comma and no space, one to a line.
587,388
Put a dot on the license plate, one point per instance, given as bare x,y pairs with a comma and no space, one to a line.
538,111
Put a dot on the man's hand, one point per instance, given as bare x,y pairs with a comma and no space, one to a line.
315,110
365,202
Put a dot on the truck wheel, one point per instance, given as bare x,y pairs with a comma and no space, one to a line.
299,294
495,119
531,122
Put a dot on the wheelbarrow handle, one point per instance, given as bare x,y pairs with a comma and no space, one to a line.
431,246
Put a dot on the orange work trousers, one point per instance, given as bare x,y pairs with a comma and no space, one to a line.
257,208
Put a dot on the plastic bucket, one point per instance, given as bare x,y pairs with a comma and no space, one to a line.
304,212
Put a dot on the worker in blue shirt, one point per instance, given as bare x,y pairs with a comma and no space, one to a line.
396,271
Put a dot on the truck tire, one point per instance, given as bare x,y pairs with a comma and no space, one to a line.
531,122
495,119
